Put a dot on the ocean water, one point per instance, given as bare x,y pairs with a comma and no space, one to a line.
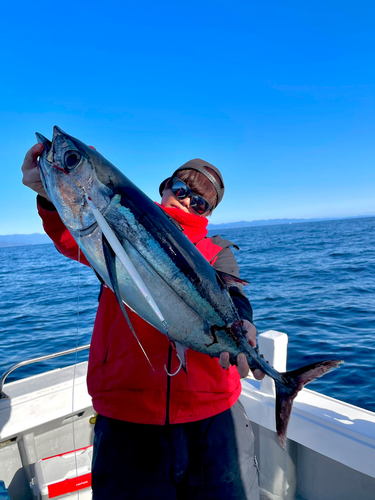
314,281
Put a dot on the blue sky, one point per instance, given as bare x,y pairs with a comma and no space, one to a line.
278,95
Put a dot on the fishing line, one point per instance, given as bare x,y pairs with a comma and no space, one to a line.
76,358
77,330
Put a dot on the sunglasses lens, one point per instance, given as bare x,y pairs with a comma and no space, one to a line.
180,190
199,204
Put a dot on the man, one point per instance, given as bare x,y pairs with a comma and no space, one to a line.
165,434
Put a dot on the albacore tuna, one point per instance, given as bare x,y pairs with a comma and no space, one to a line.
145,258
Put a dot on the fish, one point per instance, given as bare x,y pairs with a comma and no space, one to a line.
144,257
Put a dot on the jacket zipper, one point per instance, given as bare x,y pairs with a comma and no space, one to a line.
169,368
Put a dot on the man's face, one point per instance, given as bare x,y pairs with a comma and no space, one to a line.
178,194
169,200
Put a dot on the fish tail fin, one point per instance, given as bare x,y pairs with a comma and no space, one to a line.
289,386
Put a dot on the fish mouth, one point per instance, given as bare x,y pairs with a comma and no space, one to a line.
51,159
47,149
49,145
57,130
43,140
47,153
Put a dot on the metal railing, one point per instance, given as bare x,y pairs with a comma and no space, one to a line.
36,360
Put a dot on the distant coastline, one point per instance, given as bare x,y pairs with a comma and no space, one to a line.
271,222
15,240
12,240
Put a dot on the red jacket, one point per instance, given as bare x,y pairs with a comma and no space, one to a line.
121,382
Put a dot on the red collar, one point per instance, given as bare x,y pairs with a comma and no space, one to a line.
194,226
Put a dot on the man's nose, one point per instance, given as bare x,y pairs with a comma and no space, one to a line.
186,202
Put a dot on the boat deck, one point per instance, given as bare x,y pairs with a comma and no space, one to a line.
330,453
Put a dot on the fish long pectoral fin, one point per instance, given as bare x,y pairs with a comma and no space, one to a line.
289,386
110,259
119,251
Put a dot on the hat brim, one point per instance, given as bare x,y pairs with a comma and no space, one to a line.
162,186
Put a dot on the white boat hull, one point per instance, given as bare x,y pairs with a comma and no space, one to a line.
330,452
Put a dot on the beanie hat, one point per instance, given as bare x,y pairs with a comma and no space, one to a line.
199,165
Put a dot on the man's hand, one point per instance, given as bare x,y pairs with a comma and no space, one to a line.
242,364
31,175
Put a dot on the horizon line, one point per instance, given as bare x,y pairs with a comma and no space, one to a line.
299,219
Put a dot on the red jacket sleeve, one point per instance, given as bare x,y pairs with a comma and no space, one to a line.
60,235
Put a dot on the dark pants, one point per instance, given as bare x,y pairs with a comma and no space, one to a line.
210,459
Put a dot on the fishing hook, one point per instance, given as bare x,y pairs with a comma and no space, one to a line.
178,369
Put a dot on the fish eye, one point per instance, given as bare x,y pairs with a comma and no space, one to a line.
71,159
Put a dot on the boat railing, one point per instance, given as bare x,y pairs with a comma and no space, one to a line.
320,426
36,360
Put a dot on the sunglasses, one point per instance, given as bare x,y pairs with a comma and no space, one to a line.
197,202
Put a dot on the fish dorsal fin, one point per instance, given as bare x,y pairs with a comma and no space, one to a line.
110,259
231,280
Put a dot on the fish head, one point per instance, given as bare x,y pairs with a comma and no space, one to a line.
70,171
